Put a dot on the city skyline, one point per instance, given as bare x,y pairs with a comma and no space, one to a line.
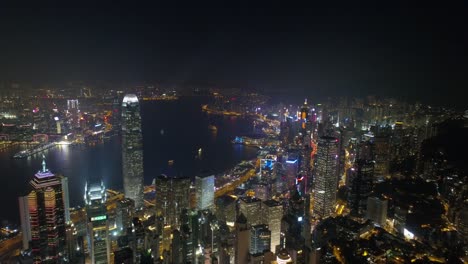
318,50
234,134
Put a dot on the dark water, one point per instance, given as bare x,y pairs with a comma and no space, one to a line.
172,130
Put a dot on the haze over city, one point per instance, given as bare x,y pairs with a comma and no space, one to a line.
234,133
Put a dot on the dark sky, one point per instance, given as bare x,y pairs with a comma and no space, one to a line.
412,52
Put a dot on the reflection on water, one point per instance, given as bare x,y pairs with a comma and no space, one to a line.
185,129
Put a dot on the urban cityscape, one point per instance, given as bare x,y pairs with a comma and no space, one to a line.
170,172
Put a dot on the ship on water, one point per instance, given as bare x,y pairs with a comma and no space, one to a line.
212,128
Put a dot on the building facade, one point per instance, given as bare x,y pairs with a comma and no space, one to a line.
326,178
43,220
132,150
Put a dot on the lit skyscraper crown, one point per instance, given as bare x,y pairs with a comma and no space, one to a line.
130,98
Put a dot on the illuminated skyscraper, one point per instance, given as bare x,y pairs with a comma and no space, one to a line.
171,198
205,191
326,176
304,117
42,214
272,213
250,207
132,150
74,113
98,226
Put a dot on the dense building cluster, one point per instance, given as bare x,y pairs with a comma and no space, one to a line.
345,181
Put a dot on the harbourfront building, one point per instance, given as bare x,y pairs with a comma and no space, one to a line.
205,185
132,150
97,222
42,213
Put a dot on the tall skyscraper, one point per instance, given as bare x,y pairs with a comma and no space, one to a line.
171,198
124,214
326,177
132,150
242,240
73,113
360,178
382,157
98,226
272,213
42,214
250,207
205,191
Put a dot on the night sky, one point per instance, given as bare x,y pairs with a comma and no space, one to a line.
416,53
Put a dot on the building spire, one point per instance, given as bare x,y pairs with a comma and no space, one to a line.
305,101
44,169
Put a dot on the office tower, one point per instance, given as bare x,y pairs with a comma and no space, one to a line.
360,178
132,150
377,210
98,226
124,214
73,110
242,240
205,191
382,157
66,200
176,247
326,177
171,198
42,214
260,239
250,208
304,118
226,209
272,213
291,168
116,114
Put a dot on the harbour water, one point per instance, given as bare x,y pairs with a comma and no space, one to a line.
172,130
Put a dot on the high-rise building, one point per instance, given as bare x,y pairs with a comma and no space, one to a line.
291,169
242,240
382,156
73,113
124,214
171,198
250,208
98,225
272,213
326,177
377,210
304,116
226,209
360,178
132,150
260,239
43,220
205,191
